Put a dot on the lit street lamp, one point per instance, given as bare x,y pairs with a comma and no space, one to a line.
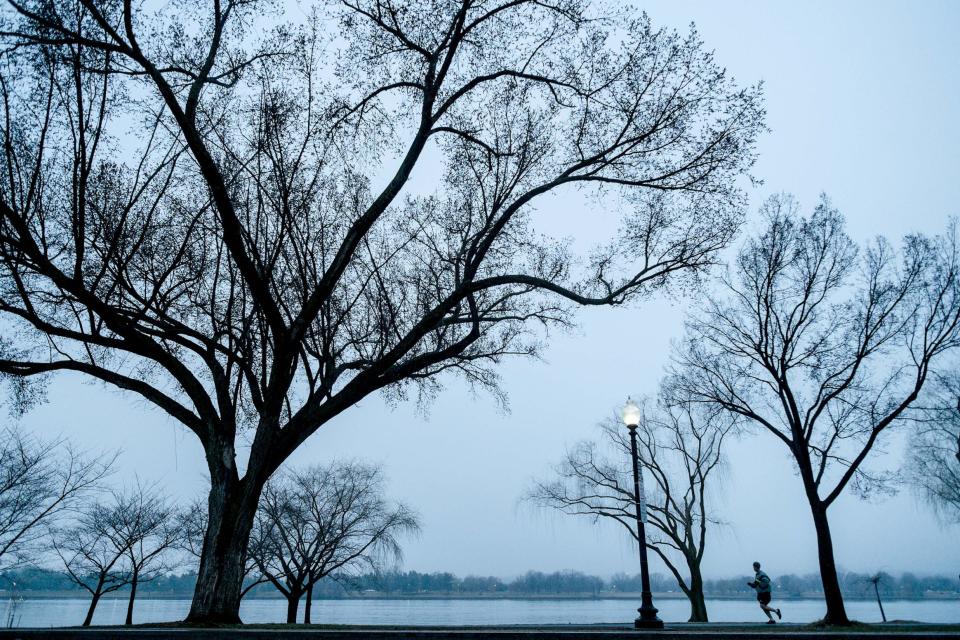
648,613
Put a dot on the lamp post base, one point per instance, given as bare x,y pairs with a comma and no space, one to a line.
640,623
648,619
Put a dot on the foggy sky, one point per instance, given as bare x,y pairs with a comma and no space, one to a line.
863,102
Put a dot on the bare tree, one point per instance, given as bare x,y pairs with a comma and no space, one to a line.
326,520
875,580
254,260
95,551
38,481
933,461
680,450
151,527
824,349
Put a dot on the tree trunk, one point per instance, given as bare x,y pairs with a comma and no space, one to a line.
232,505
832,595
133,594
876,589
698,604
93,604
309,604
293,603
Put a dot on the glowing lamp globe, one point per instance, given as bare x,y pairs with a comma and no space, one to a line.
630,413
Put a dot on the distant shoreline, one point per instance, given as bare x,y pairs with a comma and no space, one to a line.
123,595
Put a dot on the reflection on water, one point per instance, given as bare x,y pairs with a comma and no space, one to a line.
66,612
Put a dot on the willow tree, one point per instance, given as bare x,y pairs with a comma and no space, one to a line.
211,208
932,463
825,347
330,520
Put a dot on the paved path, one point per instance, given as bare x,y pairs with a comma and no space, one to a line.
594,632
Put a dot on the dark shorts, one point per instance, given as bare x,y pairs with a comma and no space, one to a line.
763,597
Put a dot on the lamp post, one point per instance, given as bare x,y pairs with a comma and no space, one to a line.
648,613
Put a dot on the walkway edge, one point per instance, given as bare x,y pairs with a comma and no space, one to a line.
147,633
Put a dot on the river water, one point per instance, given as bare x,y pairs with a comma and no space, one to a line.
66,612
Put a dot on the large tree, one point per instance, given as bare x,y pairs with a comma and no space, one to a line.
218,215
192,522
825,347
680,450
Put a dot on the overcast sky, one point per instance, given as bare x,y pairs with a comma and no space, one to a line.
863,101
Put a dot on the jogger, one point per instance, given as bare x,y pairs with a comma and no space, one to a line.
761,583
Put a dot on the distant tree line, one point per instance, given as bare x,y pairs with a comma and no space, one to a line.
41,579
532,583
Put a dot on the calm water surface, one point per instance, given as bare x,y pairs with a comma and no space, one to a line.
49,612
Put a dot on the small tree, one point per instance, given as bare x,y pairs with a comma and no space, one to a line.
875,580
326,520
95,551
680,449
38,481
151,528
824,349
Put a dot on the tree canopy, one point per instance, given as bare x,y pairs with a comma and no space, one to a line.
223,218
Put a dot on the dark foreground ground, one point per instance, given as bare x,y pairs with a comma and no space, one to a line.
678,631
